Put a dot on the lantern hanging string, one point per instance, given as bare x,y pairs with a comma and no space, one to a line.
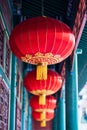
42,8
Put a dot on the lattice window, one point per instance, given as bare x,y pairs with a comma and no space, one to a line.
1,47
4,105
7,63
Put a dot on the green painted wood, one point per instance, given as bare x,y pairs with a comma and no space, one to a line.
54,121
23,105
28,125
71,95
29,116
58,122
61,115
2,74
13,95
23,108
29,119
24,92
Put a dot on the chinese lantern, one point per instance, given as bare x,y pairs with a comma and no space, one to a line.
37,116
43,87
50,104
42,41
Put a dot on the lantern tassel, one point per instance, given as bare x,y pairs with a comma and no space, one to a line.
43,115
42,99
43,123
41,71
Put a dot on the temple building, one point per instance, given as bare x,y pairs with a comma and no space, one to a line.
50,35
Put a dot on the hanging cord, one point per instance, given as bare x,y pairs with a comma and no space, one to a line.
42,8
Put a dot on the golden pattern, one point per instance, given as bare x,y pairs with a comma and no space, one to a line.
44,109
49,58
43,91
44,119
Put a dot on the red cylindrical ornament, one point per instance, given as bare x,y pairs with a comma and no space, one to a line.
42,41
43,87
49,106
38,116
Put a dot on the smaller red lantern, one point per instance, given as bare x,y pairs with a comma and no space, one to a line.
43,87
38,116
49,106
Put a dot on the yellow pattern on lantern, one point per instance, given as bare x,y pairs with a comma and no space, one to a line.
41,58
46,110
42,95
43,115
40,92
42,99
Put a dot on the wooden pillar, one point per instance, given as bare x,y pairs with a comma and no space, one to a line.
71,95
13,94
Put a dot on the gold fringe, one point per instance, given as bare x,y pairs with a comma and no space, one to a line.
43,123
41,71
43,115
42,99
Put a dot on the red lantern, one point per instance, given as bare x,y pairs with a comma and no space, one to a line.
43,87
37,116
49,106
42,41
